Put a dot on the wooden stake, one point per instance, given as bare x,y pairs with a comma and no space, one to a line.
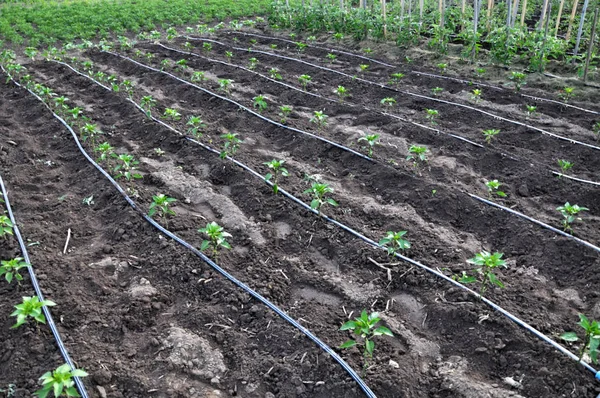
421,12
383,4
591,46
571,19
581,23
523,11
515,10
560,10
543,16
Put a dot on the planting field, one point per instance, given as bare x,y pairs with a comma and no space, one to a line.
145,317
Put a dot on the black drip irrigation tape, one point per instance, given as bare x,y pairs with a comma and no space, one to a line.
256,114
556,173
374,244
376,61
368,392
461,138
38,291
583,242
383,86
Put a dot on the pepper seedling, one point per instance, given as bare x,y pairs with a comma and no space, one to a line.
567,94
217,238
277,169
260,102
228,55
365,327
476,95
252,63
569,213
304,80
331,57
147,103
338,37
388,101
431,115
160,204
393,242
442,67
181,65
198,76
320,119
165,64
225,85
396,77
436,91
342,92
319,192
30,307
90,132
274,73
485,263
493,186
371,140
490,134
231,145
10,269
196,124
207,47
60,381
284,112
591,341
418,154
127,167
6,226
565,166
530,110
519,79
301,46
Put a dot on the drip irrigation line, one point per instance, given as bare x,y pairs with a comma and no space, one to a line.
237,104
364,238
418,72
36,286
383,86
533,220
574,178
369,393
323,97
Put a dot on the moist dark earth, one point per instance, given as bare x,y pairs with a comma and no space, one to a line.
147,318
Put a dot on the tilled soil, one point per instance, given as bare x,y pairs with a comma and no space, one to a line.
145,317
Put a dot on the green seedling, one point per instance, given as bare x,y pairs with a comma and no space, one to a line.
155,35
260,102
171,114
436,91
591,341
88,201
363,67
127,167
476,95
171,33
311,39
149,56
6,226
319,192
196,125
274,73
304,80
61,103
338,37
331,57
394,241
90,132
273,46
228,55
293,36
253,42
181,65
342,92
30,307
320,119
396,77
60,381
485,264
10,269
165,64
128,87
442,67
479,72
490,134
388,101
231,145
217,238
284,112
493,186
31,52
519,79
226,85
530,110
565,166
596,130
431,115
569,213
198,77
147,103
567,94
276,167
159,152
371,140
252,63
114,83
365,327
367,50
417,154
301,46
207,47
188,46
160,204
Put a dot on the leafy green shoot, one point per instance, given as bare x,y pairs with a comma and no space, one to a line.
388,101
284,112
485,265
519,79
320,119
320,192
171,114
231,145
196,125
366,329
394,242
161,205
60,381
565,166
591,341
431,115
217,238
260,102
10,269
490,134
493,187
277,169
371,140
331,57
31,307
570,215
304,81
6,226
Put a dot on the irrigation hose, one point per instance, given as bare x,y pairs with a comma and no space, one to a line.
296,200
376,61
38,290
383,86
585,243
207,260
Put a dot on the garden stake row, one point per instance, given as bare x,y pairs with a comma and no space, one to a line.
369,241
383,86
369,393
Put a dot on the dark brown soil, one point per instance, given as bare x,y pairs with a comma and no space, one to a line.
128,299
